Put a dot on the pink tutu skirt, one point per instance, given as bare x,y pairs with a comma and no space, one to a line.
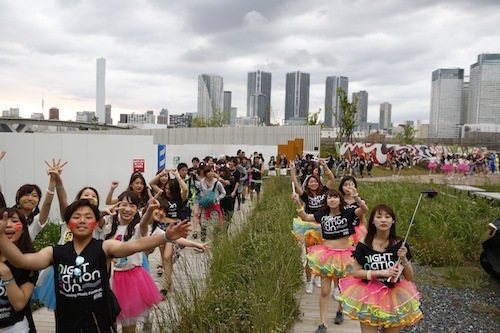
447,167
307,232
462,167
136,293
375,304
360,233
327,262
432,165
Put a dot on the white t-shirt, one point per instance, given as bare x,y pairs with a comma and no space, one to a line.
35,228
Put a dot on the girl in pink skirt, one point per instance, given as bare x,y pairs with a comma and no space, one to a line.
367,295
432,165
134,288
333,258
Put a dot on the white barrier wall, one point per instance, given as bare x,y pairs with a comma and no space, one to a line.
94,160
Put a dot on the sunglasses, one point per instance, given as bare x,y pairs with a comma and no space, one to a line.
77,271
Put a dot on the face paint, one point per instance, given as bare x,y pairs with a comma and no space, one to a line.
18,227
72,224
134,211
95,202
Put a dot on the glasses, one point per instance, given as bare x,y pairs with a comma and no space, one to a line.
77,271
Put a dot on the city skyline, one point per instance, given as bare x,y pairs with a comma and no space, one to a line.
154,52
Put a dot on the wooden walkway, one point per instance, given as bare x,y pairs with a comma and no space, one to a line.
309,304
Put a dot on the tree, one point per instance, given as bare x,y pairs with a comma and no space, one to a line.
313,118
346,118
95,122
218,119
407,136
199,121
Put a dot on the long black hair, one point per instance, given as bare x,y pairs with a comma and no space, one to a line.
344,180
144,197
372,230
132,198
79,194
165,206
334,193
24,242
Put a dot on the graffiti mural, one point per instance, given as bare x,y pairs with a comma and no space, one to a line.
421,153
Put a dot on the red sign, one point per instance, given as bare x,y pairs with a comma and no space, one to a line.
138,164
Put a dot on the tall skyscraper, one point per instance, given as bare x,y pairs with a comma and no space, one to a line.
297,97
100,96
210,95
259,88
233,116
163,117
361,107
107,115
385,116
484,90
227,106
332,100
446,102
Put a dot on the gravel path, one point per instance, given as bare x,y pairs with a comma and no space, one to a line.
449,310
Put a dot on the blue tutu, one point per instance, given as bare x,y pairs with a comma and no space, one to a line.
44,290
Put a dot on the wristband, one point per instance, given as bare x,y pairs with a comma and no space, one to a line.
361,203
369,275
407,263
166,238
50,192
6,282
59,187
300,210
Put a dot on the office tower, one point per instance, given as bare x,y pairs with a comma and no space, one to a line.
361,106
100,96
259,87
107,115
210,95
53,113
465,100
123,118
385,116
163,117
233,116
332,100
484,90
446,102
227,106
297,97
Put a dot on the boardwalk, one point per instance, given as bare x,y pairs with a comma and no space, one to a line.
44,319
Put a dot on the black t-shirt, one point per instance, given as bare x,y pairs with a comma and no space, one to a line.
9,316
236,174
256,175
370,259
338,226
83,302
314,203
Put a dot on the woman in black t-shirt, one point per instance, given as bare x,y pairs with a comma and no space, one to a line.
332,259
375,295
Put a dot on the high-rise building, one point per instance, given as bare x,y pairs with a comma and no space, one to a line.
210,95
53,113
297,97
259,87
484,90
11,113
100,96
332,99
361,106
107,115
385,116
233,116
163,117
465,100
227,106
446,102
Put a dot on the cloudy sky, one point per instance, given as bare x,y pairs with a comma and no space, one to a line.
155,50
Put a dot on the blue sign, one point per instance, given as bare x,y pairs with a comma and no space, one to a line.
162,156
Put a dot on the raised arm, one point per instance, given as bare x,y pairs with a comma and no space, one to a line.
53,171
147,217
109,198
18,295
182,184
298,188
62,196
328,173
156,179
300,209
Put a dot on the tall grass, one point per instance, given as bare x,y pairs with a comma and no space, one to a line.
253,275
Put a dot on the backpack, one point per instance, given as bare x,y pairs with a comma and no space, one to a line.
490,257
209,199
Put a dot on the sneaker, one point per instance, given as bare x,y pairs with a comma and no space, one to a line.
309,287
321,329
336,293
339,318
317,281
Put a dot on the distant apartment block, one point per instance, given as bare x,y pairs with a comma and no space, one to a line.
181,120
53,113
385,116
107,115
163,117
84,116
